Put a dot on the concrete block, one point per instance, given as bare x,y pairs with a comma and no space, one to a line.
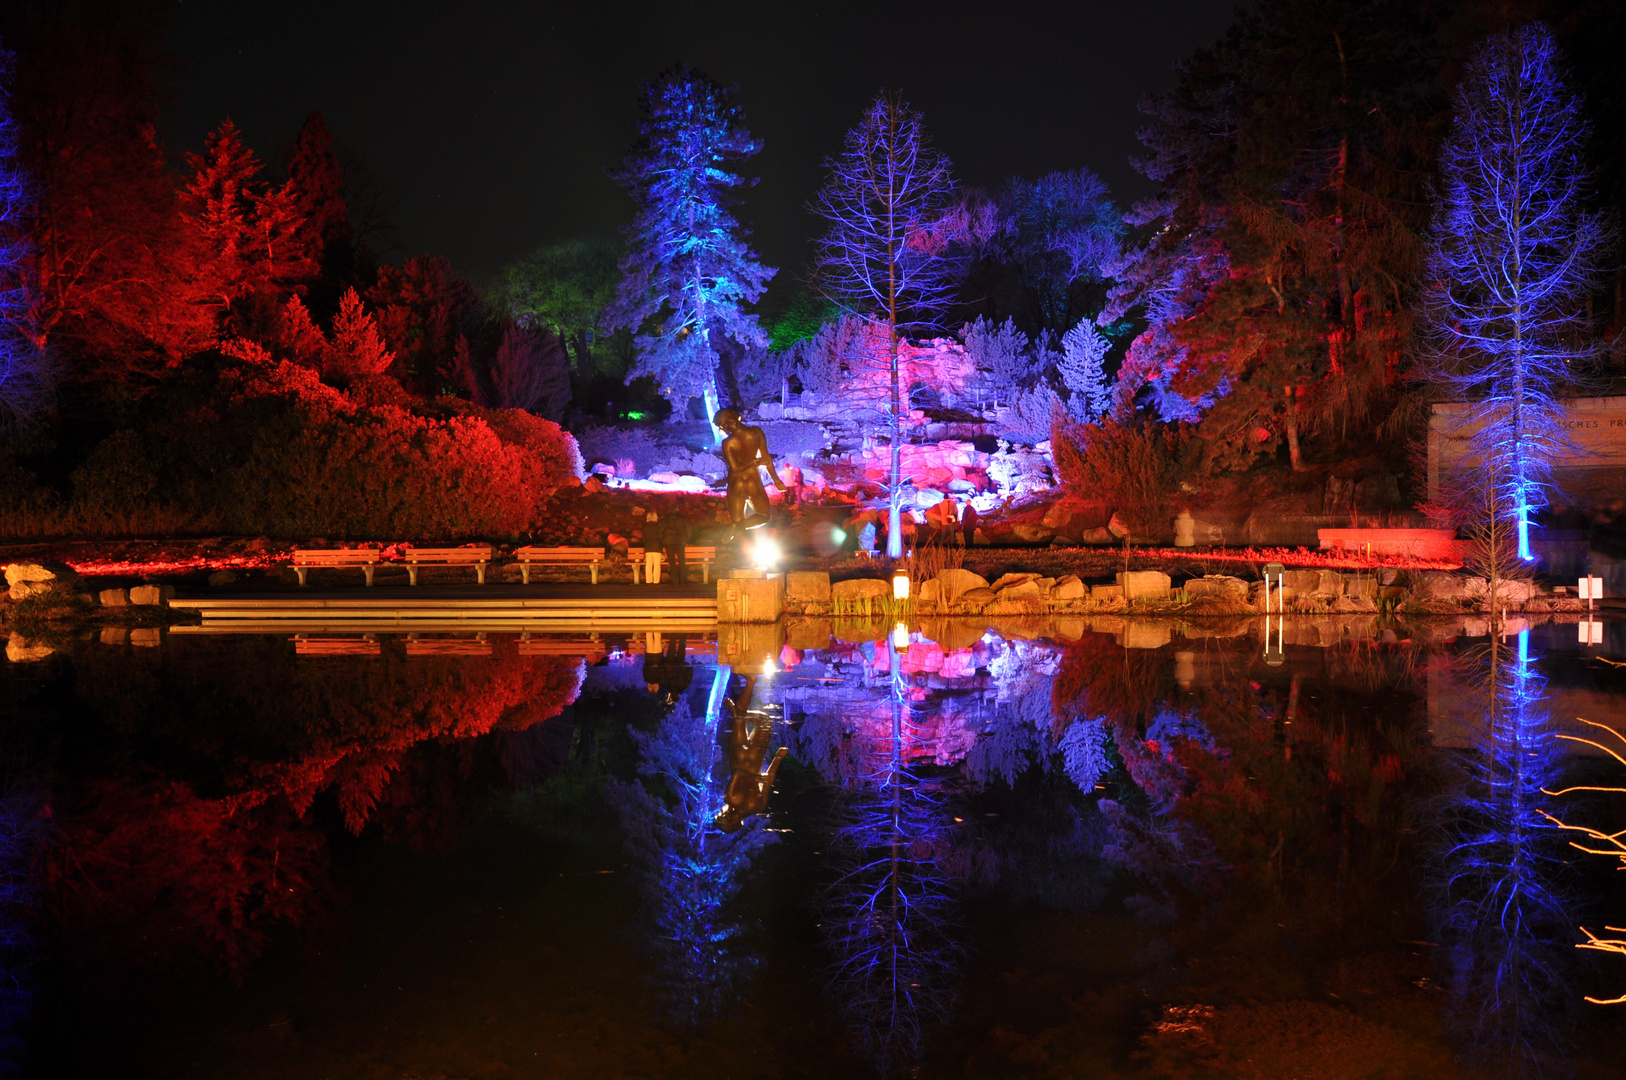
113,598
862,591
144,637
808,586
1106,592
748,648
1145,634
151,595
1144,585
750,600
114,635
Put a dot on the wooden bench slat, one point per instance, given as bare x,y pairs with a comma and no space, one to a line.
532,555
477,557
365,559
704,554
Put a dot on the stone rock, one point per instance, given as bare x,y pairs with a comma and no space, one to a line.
955,583
928,592
979,538
808,586
1220,585
1145,585
1106,592
1360,586
1067,588
44,570
1007,580
1329,583
221,578
1117,528
1026,589
1388,576
151,595
113,598
807,634
1301,582
1098,537
1069,629
977,598
22,590
860,591
144,637
1185,530
1057,516
1437,585
1511,593
1032,534
1064,542
926,498
19,650
750,600
114,635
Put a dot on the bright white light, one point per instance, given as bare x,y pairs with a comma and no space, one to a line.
768,668
765,552
900,586
900,636
838,535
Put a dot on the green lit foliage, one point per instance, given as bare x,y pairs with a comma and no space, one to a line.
565,288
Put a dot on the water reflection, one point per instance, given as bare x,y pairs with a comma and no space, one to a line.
1272,837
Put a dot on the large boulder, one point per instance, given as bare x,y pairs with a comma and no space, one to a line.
976,599
1360,586
1005,581
24,590
1218,585
19,650
1329,584
1026,588
1145,585
807,586
1068,588
955,583
1032,534
1106,592
43,570
860,591
1301,582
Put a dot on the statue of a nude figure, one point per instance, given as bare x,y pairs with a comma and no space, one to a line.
744,449
748,786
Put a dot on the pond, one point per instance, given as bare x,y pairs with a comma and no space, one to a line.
1081,850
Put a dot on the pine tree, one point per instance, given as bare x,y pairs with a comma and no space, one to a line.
1083,371
687,269
316,189
358,349
1514,255
885,255
24,385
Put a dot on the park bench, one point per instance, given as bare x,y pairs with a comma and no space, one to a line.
692,554
452,646
308,559
528,557
591,649
478,556
366,645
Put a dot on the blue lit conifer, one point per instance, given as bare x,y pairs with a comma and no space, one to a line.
687,268
1514,254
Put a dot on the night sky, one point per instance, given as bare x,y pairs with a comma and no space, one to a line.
489,126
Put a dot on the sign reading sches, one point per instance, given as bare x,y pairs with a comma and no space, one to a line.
1596,428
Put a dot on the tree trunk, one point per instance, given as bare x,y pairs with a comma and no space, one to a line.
710,398
894,516
1293,454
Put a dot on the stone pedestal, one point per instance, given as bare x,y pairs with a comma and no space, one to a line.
750,599
749,648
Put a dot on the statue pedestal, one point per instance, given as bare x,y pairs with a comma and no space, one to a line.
756,599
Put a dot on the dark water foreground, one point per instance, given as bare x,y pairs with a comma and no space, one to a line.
249,856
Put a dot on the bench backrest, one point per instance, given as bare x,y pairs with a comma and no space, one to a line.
335,557
559,554
699,554
449,555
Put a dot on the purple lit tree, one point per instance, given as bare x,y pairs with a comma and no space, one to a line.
687,268
1515,252
24,385
887,255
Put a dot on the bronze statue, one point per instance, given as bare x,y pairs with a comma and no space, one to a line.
744,449
748,786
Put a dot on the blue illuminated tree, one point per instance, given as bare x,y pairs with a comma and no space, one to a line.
24,385
889,255
687,267
688,871
1515,252
1083,371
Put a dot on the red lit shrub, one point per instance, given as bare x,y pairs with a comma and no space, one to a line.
257,446
1134,468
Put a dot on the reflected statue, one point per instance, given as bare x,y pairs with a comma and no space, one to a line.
747,739
745,449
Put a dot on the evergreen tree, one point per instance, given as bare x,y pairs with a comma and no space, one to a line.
1083,371
1514,255
886,255
322,236
687,269
1278,267
23,382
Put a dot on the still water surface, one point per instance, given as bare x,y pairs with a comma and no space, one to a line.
979,855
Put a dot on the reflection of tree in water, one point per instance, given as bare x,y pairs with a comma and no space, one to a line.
889,917
1500,916
689,872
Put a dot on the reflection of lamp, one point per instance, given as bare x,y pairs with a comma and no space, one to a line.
900,584
900,634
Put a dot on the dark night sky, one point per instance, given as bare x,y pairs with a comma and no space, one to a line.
490,125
